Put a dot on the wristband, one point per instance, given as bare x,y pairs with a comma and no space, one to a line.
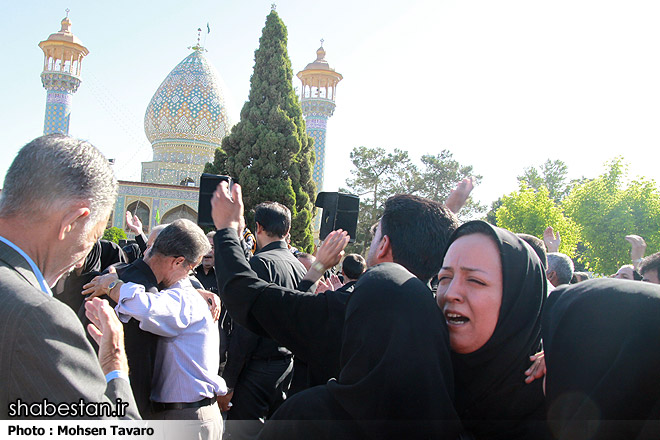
637,261
318,266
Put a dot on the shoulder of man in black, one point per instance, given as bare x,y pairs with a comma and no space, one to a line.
140,345
347,288
276,264
302,322
208,280
138,272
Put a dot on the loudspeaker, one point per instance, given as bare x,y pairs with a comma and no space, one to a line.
340,211
207,186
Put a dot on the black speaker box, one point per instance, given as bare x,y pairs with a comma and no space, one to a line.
340,211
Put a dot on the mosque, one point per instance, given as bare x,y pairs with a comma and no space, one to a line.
185,122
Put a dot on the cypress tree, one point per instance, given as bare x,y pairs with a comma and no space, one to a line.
268,150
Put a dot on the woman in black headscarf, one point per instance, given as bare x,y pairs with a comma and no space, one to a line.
602,354
491,290
395,380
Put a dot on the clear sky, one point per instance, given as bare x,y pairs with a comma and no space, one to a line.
502,84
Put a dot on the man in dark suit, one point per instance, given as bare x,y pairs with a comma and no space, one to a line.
56,200
259,370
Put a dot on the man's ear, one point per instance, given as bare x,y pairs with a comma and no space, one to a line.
71,219
384,252
550,275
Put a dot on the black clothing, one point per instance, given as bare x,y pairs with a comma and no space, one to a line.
111,253
141,240
602,353
210,283
208,280
258,368
69,288
347,288
492,398
132,251
396,380
140,345
309,325
259,392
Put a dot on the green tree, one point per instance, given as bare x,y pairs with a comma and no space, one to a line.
531,212
268,150
608,208
551,175
491,215
440,174
114,234
377,175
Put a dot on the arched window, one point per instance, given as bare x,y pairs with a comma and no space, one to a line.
181,211
142,211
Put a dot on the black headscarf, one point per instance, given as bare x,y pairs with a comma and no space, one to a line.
395,380
602,352
492,398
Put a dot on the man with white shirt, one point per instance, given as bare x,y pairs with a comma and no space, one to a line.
185,379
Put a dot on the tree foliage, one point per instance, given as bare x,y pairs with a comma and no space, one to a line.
608,208
268,150
551,175
114,234
378,174
439,176
530,211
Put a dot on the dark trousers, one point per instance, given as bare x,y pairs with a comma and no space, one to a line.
260,390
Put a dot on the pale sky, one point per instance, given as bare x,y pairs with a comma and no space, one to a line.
501,84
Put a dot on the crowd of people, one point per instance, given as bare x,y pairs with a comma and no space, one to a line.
444,331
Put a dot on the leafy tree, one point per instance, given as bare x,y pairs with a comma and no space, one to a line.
268,151
439,176
551,175
491,215
114,234
376,176
608,208
531,212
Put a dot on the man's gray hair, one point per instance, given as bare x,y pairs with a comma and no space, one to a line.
562,265
182,238
56,169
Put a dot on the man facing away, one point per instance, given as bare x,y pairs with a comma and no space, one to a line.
259,370
56,200
185,379
352,268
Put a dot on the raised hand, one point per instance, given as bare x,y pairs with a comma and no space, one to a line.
332,250
551,241
460,194
134,223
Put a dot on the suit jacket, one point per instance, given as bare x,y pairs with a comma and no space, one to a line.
44,353
275,264
140,344
309,325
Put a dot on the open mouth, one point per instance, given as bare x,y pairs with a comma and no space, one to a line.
456,318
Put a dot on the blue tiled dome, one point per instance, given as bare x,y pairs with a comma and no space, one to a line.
189,104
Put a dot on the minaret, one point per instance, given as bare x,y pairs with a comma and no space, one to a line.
317,99
63,54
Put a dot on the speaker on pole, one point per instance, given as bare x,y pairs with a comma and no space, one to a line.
340,211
